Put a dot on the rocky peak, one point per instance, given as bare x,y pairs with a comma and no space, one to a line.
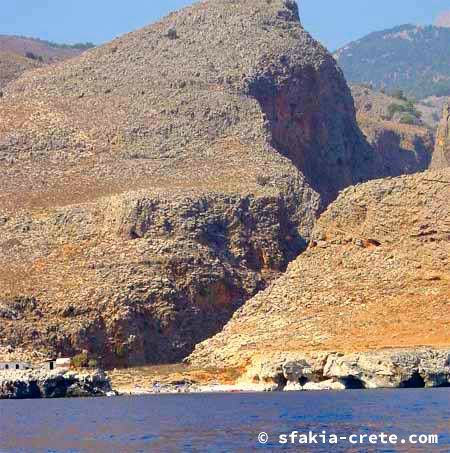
443,20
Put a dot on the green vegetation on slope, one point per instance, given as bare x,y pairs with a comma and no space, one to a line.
410,115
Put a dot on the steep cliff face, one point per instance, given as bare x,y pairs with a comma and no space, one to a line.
152,185
375,276
312,121
441,156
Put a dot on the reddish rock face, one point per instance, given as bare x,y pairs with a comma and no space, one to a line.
311,117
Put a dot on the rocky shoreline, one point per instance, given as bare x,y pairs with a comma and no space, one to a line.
421,368
32,384
396,368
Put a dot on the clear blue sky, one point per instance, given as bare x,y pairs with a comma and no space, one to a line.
334,22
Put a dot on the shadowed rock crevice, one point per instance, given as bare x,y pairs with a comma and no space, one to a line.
399,148
353,383
416,381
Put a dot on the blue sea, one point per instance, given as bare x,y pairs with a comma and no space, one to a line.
226,422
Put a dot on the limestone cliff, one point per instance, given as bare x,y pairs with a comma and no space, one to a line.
32,384
441,156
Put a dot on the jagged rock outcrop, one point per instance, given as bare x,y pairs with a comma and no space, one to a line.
441,156
32,384
375,276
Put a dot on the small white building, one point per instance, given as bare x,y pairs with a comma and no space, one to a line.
57,364
14,366
63,363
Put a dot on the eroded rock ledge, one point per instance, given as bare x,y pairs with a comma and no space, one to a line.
422,368
31,384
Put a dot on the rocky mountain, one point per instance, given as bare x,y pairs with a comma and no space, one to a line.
152,185
441,156
399,109
19,54
395,128
410,58
370,292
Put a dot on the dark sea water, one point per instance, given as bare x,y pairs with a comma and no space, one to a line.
223,422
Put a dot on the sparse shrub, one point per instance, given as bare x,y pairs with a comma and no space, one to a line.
408,109
399,94
262,180
407,118
121,351
33,56
80,360
172,33
92,363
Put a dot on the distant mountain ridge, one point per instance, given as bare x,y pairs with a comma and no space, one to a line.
411,58
443,20
19,54
48,51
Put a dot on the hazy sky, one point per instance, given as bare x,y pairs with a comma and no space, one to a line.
334,22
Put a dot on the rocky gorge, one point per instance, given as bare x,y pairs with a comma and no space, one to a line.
375,277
